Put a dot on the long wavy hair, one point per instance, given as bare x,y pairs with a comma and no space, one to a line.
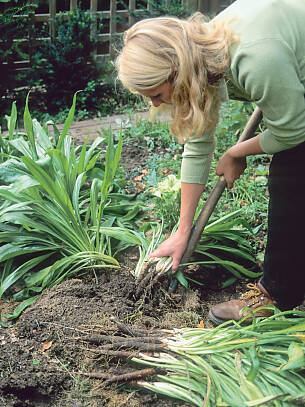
193,54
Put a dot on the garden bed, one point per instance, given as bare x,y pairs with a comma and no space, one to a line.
42,359
46,358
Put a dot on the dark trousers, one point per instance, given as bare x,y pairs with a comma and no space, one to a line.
284,265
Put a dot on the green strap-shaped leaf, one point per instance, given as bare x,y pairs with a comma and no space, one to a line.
28,125
42,137
67,124
47,183
75,195
12,121
296,358
21,307
20,272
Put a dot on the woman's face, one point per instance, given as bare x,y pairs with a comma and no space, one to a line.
160,94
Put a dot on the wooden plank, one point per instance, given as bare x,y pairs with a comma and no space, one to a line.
73,5
52,11
214,7
105,14
31,32
192,5
93,28
112,26
103,37
131,8
119,13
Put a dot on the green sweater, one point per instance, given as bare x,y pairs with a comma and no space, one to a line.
268,68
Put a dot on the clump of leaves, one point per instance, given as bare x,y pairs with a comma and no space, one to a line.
59,211
65,64
176,8
167,200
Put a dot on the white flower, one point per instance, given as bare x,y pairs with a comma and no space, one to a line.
170,184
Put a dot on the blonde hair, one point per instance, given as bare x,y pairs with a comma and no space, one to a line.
193,54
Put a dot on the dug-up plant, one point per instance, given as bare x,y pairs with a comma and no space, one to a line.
60,213
261,364
224,244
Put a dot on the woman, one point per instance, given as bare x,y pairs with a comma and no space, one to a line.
257,49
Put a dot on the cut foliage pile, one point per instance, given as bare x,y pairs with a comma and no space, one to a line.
262,364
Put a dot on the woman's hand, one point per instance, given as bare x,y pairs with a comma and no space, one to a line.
176,244
174,247
233,163
231,167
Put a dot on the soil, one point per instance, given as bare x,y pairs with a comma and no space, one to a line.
45,356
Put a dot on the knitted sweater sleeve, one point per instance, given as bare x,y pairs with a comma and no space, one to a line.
196,159
269,73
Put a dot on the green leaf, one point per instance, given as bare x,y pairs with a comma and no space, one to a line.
37,277
181,279
9,251
21,307
12,121
47,183
22,146
253,358
28,125
42,137
81,160
296,358
93,207
67,123
75,195
20,272
129,236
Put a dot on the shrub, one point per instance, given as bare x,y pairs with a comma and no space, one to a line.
12,27
65,64
175,8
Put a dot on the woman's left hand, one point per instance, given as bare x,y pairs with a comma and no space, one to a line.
231,167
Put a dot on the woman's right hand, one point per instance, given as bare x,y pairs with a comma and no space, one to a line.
173,247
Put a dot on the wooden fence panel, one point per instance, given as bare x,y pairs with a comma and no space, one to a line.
52,11
112,26
113,14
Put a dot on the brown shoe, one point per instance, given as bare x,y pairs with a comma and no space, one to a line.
256,297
